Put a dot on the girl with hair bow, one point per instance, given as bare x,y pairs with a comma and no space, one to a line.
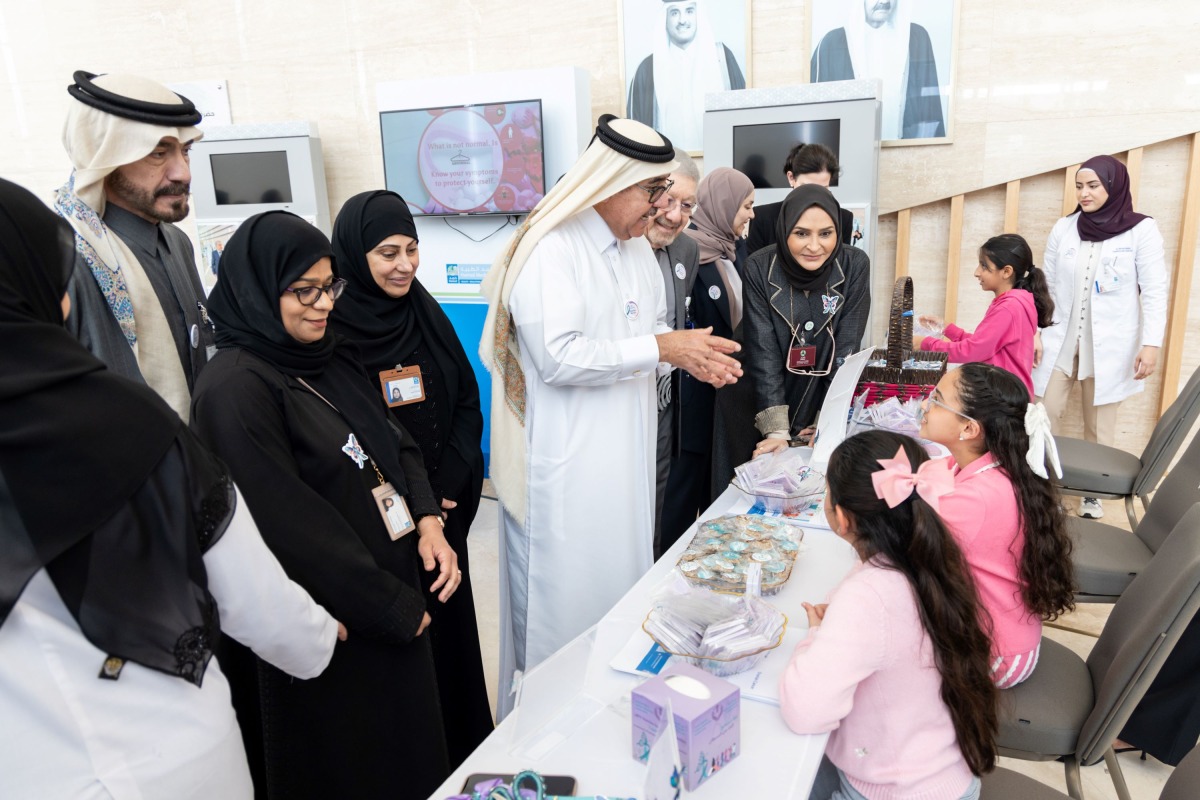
1004,511
896,666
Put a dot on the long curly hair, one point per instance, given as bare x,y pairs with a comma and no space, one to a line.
915,542
997,399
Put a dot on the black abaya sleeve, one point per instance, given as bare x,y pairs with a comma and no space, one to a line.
464,456
242,420
420,496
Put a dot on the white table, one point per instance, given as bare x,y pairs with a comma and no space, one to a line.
573,715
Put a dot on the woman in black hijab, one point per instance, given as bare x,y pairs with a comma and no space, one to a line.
805,305
396,322
125,553
311,447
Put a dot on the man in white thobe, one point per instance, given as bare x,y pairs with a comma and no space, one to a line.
576,335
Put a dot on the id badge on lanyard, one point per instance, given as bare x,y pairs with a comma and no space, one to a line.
402,386
802,355
393,509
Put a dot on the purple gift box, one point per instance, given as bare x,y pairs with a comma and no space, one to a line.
707,728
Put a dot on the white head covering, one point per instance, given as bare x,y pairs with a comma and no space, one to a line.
683,76
601,172
99,142
105,130
882,53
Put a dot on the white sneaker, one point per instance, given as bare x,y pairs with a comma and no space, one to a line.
1090,508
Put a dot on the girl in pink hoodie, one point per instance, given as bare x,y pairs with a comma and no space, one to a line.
1005,336
895,666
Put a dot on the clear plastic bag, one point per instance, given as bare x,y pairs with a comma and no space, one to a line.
722,634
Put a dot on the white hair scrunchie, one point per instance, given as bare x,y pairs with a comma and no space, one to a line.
1041,441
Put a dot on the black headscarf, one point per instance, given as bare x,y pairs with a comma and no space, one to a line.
796,203
265,254
1116,215
78,444
387,330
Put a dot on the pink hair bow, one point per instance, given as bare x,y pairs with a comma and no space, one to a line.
896,481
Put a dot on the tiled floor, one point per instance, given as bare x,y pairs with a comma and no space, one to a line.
1145,778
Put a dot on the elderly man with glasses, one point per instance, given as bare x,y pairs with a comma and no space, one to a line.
576,336
679,259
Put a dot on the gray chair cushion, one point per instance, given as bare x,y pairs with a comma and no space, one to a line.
1004,784
1106,558
1044,714
1184,783
1091,467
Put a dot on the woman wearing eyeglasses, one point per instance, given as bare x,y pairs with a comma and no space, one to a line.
806,303
395,322
310,444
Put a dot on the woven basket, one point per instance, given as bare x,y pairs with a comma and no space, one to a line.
894,380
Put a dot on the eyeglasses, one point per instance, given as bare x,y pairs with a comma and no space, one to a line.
308,295
656,191
686,208
940,404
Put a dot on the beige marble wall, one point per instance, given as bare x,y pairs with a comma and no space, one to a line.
1038,86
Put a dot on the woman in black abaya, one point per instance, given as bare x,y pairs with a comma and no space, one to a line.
125,553
395,321
312,449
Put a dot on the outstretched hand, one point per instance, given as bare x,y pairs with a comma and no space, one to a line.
703,355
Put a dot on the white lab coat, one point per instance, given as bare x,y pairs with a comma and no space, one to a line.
1123,321
146,735
587,307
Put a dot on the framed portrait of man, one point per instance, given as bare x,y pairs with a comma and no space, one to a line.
909,46
673,52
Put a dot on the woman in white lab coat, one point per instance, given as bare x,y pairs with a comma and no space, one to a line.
1104,264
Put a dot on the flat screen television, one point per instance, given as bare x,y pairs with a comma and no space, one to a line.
242,170
455,160
759,151
241,178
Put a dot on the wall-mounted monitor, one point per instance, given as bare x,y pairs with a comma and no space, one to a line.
476,159
242,178
759,151
242,170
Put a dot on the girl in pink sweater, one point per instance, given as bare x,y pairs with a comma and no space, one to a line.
1005,336
1004,511
895,666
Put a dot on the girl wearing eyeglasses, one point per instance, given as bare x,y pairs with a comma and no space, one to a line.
308,440
1004,510
1022,304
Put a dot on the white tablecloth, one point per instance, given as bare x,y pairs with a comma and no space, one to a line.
573,717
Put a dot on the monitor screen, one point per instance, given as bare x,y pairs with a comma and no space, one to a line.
759,151
480,159
241,178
